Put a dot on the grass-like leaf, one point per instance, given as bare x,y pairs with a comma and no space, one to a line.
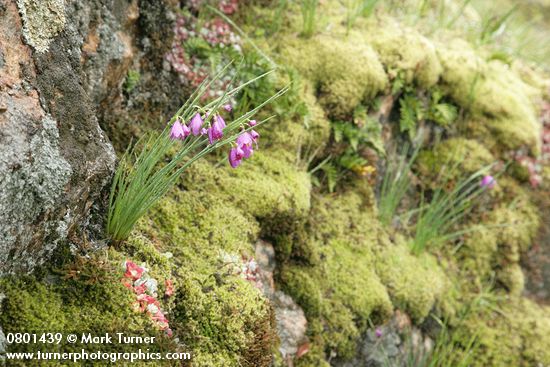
145,175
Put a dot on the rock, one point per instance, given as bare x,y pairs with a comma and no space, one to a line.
392,344
290,318
55,161
291,324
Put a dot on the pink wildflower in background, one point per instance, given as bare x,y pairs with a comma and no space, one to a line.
488,181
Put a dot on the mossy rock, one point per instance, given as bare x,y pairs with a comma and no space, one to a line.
266,187
302,136
344,71
452,160
340,291
86,296
415,284
225,322
503,113
515,332
405,51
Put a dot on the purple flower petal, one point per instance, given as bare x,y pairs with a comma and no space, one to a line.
177,131
196,124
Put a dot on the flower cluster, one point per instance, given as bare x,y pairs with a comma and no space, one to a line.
145,288
244,266
243,146
534,165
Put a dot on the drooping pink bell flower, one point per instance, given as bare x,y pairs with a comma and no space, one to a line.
186,130
244,141
196,123
252,123
255,136
488,181
215,132
133,271
228,107
378,332
177,131
221,121
236,154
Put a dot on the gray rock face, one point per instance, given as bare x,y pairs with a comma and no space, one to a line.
290,318
63,64
55,161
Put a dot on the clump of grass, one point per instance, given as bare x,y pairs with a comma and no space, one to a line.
395,184
357,8
309,17
132,80
435,220
145,173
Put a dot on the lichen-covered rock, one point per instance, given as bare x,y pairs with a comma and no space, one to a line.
57,90
55,158
36,15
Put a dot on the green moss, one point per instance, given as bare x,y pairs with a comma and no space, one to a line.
452,160
302,136
224,320
497,237
414,283
266,187
516,333
479,253
501,105
511,277
340,291
345,71
86,296
404,50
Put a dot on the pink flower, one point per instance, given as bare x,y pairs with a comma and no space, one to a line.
488,181
133,271
195,124
179,131
169,288
215,132
236,154
228,108
140,289
255,136
252,123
